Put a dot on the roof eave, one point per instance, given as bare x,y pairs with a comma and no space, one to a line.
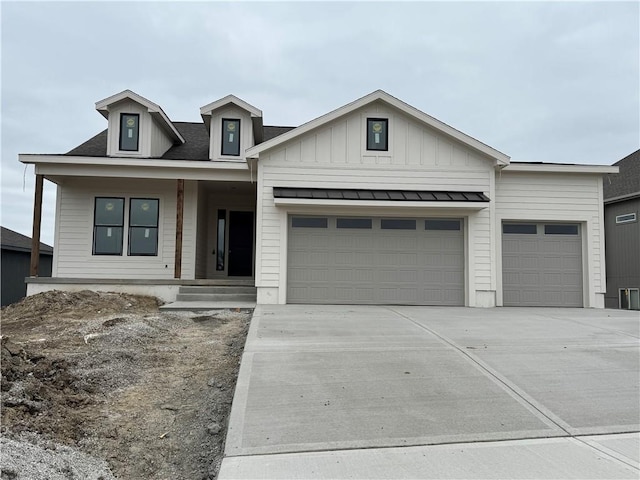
561,168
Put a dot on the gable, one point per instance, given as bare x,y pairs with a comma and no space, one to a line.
412,144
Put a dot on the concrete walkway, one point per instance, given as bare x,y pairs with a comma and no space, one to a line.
427,392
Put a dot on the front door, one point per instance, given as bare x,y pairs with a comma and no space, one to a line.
240,244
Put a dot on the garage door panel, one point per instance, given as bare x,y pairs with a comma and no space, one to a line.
376,266
540,269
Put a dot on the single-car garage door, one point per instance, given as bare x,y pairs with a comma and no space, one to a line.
365,260
542,264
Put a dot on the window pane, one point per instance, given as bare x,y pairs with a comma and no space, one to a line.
627,217
143,241
522,228
309,222
377,134
442,224
397,224
129,127
230,137
222,218
353,223
107,240
143,212
109,211
554,229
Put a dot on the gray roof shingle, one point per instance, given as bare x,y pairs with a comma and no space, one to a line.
196,146
11,240
627,182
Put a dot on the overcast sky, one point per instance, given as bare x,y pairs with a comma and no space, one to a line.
552,82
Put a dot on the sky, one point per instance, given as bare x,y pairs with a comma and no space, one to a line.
539,81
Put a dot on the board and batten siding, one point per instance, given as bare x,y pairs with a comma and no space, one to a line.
557,197
335,156
74,230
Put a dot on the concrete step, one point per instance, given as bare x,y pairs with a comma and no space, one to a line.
226,289
216,297
244,307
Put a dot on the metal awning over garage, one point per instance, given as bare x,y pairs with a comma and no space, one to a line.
378,195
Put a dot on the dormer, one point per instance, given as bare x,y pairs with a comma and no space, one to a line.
233,126
137,128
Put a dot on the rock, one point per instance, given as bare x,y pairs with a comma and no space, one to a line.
212,382
214,428
12,348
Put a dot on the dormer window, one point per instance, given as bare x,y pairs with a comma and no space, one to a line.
377,134
129,130
230,137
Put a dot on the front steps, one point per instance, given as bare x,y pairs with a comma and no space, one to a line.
214,297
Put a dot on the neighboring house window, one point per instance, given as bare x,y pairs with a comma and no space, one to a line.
230,137
108,223
143,226
626,218
630,298
377,134
129,130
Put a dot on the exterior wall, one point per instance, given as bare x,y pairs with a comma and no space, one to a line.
202,251
335,156
16,265
556,197
215,133
623,250
74,230
152,141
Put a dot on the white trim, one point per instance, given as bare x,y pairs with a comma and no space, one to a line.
379,95
560,168
154,109
207,109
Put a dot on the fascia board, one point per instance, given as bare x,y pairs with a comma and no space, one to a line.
207,109
559,168
500,157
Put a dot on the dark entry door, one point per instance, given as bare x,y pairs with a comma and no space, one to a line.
240,244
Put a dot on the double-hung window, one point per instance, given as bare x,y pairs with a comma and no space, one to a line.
143,226
108,226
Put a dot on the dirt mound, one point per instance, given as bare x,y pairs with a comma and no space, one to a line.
110,376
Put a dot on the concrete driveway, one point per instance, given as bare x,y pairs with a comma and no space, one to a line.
428,392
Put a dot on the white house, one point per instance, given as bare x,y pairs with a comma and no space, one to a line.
373,203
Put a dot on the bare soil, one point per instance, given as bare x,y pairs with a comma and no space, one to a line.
112,377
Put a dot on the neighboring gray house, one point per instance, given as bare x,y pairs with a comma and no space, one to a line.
622,234
16,257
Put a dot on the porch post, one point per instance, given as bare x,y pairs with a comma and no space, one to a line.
179,218
35,233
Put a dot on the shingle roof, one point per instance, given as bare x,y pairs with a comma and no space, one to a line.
627,182
196,146
16,241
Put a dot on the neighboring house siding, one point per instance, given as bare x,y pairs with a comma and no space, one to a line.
335,156
557,197
623,250
73,254
15,268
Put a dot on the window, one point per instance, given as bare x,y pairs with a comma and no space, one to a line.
143,226
309,222
108,223
377,134
521,228
222,219
442,224
129,129
626,218
630,298
230,137
397,224
353,223
558,229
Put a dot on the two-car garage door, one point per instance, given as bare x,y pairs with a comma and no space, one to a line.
372,260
